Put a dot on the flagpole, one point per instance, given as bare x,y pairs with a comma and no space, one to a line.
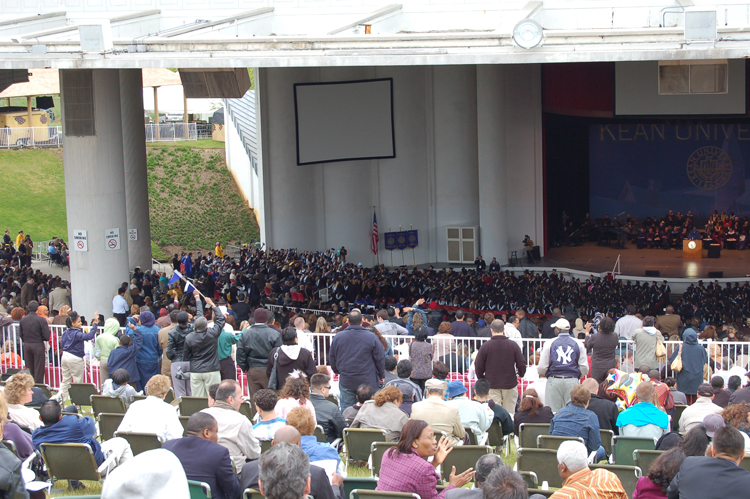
413,254
389,230
403,262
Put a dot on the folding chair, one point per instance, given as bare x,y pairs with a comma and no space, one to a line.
80,393
11,446
745,463
530,478
678,410
73,462
45,389
379,494
358,441
108,424
140,442
358,483
553,442
628,475
463,457
252,494
543,462
320,434
645,458
105,403
472,436
265,445
545,493
199,490
184,422
623,447
136,398
606,437
528,432
191,405
248,410
377,450
169,397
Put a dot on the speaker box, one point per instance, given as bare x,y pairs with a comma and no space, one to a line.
715,275
652,273
536,254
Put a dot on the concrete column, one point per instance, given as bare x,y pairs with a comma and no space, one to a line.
95,190
491,148
156,113
136,173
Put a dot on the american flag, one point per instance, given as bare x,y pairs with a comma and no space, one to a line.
375,235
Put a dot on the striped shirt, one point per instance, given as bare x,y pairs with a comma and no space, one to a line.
591,484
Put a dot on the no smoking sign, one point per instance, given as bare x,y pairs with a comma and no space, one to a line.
112,238
81,240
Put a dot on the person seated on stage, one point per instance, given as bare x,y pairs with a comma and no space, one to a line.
152,414
203,459
641,238
59,429
644,419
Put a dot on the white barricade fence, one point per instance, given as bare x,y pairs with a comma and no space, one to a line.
454,352
171,132
44,136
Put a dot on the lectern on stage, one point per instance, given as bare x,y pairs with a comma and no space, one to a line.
692,249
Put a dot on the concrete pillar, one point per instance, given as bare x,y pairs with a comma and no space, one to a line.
491,149
94,185
136,173
156,114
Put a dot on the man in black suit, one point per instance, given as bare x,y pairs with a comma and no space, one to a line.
718,476
203,459
320,486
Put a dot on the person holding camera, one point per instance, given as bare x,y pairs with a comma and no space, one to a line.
72,345
528,244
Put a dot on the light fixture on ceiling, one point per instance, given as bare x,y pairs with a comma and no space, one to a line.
527,34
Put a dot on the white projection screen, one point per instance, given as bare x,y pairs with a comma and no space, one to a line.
343,121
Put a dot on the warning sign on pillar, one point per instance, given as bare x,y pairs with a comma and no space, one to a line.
111,239
80,240
133,234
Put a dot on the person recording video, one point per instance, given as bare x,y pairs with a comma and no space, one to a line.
528,243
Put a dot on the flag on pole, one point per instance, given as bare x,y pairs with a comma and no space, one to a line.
189,288
175,277
375,235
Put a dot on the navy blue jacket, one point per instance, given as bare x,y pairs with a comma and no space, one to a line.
73,338
124,357
70,430
206,461
357,356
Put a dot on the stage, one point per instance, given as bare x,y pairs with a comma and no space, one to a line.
635,262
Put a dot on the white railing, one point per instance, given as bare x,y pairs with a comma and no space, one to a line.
465,347
44,136
171,132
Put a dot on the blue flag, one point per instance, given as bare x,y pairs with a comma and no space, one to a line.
175,277
189,288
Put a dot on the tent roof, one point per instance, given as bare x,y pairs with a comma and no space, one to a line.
47,82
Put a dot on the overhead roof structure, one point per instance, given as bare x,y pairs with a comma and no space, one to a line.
280,33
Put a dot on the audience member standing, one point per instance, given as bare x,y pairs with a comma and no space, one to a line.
627,325
669,324
287,358
460,328
694,357
73,351
147,358
603,345
646,340
34,332
357,356
563,362
253,350
104,344
501,362
202,351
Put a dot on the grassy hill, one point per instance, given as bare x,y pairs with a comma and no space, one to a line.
193,199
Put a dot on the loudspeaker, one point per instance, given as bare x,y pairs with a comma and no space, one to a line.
652,273
715,275
536,254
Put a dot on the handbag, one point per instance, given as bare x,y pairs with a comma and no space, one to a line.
677,362
661,350
273,384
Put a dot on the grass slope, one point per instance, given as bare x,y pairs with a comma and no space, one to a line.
193,201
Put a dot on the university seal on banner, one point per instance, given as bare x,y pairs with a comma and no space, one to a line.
709,168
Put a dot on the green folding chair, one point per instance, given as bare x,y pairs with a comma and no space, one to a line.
169,397
745,463
140,442
72,462
199,490
248,410
606,437
678,410
495,437
45,389
553,441
380,494
472,436
545,493
105,403
377,450
357,483
11,446
463,457
623,447
252,494
528,432
320,434
645,458
543,462
265,445
191,405
184,421
108,424
359,440
532,481
80,393
628,475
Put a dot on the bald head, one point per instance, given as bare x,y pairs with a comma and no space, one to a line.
591,385
497,327
645,392
288,434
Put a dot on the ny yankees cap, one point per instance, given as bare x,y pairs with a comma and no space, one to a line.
562,324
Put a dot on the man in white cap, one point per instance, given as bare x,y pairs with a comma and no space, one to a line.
563,362
439,414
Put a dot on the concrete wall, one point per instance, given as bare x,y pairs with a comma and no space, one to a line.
468,153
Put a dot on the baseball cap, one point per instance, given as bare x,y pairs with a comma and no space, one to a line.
435,384
712,422
562,324
705,390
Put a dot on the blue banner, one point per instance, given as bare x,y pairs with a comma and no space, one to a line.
649,169
401,239
390,240
412,238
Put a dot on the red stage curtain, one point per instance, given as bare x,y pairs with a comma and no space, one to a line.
580,89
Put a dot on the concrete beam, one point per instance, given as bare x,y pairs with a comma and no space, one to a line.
112,20
369,18
226,20
40,17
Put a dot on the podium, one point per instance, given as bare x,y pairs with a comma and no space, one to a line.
692,249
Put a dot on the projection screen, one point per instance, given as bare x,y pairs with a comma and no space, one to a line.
343,121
